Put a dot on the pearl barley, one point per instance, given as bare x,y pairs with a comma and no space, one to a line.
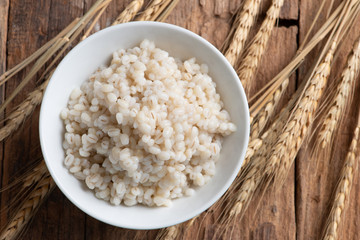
145,130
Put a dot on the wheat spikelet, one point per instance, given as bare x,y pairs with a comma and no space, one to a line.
264,115
253,146
28,208
152,11
18,116
129,13
289,142
257,48
244,20
343,188
341,98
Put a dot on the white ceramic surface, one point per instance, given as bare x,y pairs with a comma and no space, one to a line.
84,59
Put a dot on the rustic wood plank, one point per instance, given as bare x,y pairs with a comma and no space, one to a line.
316,180
4,9
26,33
204,19
290,10
58,218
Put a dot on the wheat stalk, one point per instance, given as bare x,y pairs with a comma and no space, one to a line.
28,209
343,188
264,115
11,72
153,10
342,97
129,13
257,48
59,43
166,11
90,28
244,20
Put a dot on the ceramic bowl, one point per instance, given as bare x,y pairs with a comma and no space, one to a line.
96,50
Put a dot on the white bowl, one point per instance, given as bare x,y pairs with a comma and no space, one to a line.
82,61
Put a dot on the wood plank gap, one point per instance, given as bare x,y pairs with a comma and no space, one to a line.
287,23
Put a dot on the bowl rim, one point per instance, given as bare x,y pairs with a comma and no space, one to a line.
229,180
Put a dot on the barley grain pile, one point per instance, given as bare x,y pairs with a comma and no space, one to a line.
146,129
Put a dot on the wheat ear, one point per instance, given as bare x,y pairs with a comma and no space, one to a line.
129,13
289,142
266,112
341,98
257,48
249,179
244,20
18,116
28,209
343,188
247,182
152,11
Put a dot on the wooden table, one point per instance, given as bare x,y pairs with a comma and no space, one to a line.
297,210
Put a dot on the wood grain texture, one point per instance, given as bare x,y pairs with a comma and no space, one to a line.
297,210
27,28
53,219
4,10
